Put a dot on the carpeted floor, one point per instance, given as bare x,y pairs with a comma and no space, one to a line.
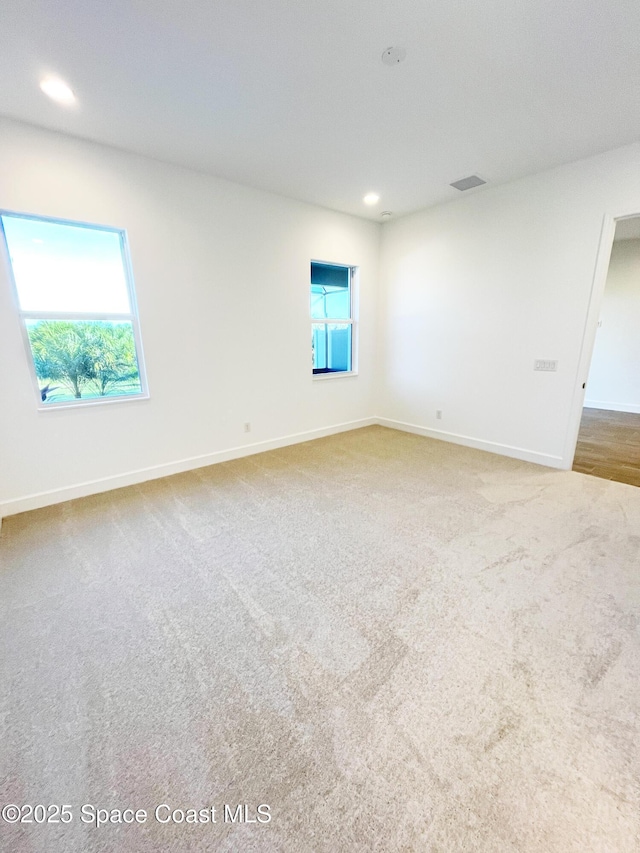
396,644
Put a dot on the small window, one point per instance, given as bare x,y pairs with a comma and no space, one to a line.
331,318
76,301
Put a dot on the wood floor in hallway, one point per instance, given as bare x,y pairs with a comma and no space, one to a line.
609,446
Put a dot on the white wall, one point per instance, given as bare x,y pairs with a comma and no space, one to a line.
474,291
471,293
614,378
216,267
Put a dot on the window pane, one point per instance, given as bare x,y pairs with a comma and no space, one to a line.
59,267
83,359
330,275
331,347
334,303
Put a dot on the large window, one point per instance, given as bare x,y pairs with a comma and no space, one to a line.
75,298
331,318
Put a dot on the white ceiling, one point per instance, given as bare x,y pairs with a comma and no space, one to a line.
292,96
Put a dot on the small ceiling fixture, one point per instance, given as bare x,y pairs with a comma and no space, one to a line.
57,90
371,198
467,183
386,214
393,55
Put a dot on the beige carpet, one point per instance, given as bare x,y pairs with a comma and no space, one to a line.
394,643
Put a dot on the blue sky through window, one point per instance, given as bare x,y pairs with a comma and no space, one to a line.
330,303
66,268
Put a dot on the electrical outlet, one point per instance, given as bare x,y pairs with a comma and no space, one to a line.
438,414
247,427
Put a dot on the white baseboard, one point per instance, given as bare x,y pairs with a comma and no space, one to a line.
477,443
633,408
141,475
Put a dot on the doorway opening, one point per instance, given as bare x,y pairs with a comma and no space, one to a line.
609,437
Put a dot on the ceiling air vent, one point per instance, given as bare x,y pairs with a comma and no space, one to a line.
468,183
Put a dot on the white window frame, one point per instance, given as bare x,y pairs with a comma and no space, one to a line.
354,280
131,317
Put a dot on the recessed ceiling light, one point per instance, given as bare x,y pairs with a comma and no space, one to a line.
371,198
57,90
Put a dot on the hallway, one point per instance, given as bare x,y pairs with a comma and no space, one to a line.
609,446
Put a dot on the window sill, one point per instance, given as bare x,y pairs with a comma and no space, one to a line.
84,404
339,374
